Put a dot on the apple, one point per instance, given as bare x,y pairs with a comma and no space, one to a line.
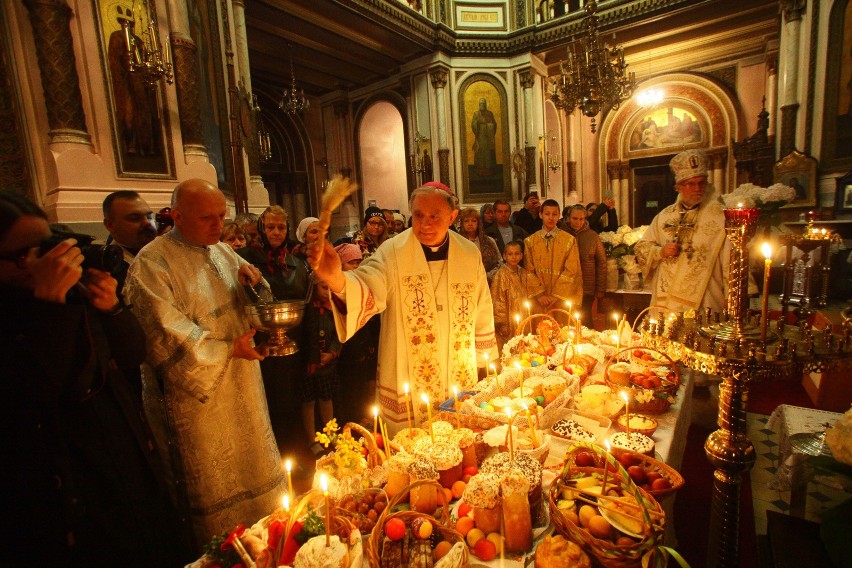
395,529
637,474
661,484
653,476
585,459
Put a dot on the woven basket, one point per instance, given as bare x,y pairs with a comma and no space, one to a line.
606,552
649,464
663,396
440,524
375,456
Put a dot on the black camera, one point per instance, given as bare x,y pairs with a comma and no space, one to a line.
107,258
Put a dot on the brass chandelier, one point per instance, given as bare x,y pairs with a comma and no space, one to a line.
293,100
146,55
594,77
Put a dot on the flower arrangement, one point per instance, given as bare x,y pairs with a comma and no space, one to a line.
768,199
348,455
621,243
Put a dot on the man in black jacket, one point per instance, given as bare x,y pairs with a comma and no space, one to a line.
528,218
502,230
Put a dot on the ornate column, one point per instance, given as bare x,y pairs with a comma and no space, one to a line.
241,42
613,171
718,158
438,76
792,11
527,81
58,69
772,91
185,56
572,195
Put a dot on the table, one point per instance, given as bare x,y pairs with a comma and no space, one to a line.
630,302
793,471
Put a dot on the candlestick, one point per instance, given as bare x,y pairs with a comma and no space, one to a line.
375,419
511,442
764,304
532,429
626,398
324,486
606,466
408,408
288,467
425,399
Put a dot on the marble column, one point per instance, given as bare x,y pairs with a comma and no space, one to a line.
439,76
185,58
792,11
772,91
526,78
58,69
613,172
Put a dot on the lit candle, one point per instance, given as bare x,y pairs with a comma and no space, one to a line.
385,439
606,466
626,398
408,408
652,328
375,419
764,305
285,501
532,429
511,441
485,355
425,399
579,327
288,467
739,205
496,378
529,313
324,486
517,323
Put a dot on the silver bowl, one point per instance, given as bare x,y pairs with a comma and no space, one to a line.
276,319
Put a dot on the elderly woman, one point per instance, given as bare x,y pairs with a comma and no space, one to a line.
372,235
471,228
287,275
592,261
307,232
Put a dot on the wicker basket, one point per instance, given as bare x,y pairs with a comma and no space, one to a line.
649,464
375,456
440,524
663,396
606,552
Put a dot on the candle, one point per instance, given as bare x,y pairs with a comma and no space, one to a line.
408,407
425,399
324,486
485,355
386,441
517,323
532,429
511,442
626,398
579,327
285,501
496,378
529,312
764,305
456,406
606,466
288,467
375,419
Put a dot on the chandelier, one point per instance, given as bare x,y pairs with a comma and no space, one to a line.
293,100
264,140
595,78
146,55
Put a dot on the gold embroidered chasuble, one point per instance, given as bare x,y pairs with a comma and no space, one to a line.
190,304
509,289
437,320
697,277
556,263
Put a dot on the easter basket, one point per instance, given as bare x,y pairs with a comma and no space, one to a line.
440,524
648,464
648,400
644,510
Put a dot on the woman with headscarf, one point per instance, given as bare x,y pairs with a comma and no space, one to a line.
288,277
307,232
471,228
373,233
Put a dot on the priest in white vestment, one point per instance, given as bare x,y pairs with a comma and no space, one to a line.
684,253
185,289
437,318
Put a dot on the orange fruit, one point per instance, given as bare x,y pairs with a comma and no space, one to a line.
448,494
458,489
464,524
441,550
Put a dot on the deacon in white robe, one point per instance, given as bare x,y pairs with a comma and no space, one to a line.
437,317
684,252
185,291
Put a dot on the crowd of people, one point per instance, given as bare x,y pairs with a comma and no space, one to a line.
160,421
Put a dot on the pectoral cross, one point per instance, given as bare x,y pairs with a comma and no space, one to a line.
683,230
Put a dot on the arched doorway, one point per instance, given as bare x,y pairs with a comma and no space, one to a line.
383,156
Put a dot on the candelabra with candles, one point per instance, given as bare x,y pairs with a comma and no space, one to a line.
726,344
264,140
146,55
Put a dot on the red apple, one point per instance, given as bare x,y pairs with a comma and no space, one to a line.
661,484
653,476
585,459
637,474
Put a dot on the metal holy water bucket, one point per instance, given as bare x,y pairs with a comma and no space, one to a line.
276,319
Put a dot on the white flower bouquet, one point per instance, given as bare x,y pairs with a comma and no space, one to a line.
768,199
620,243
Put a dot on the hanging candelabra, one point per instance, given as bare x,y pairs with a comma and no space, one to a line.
264,141
293,100
146,55
595,76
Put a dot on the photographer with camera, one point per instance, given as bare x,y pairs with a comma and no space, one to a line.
82,485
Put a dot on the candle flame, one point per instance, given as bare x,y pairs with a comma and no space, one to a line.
324,483
424,397
405,388
739,205
527,305
493,368
486,357
624,396
455,391
524,406
518,318
607,444
653,321
375,411
288,465
615,316
517,365
766,250
509,412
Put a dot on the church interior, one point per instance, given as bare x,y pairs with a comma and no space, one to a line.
580,101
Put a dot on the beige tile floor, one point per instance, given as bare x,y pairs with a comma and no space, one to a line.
820,497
